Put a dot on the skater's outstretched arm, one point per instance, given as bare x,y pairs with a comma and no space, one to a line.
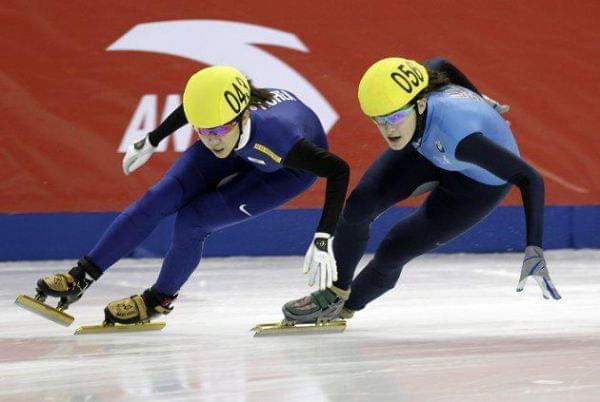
172,123
483,152
140,151
309,157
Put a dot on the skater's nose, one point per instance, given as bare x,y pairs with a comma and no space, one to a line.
214,139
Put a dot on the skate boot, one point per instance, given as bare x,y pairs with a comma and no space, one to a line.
318,312
133,313
320,306
68,287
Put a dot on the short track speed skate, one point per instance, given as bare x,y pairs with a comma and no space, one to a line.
37,306
292,328
68,287
109,327
132,314
319,312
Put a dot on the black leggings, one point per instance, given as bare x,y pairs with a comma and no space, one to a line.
455,204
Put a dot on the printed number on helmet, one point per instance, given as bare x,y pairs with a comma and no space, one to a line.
407,78
239,98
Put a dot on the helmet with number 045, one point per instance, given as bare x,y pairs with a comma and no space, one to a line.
215,96
390,84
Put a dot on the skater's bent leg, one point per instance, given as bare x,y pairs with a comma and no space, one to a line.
408,239
184,254
195,172
257,192
352,234
136,222
441,218
381,187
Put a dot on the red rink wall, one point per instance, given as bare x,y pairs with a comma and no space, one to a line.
69,96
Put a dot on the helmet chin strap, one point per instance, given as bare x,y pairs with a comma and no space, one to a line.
244,137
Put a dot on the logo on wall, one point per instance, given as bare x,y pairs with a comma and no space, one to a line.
214,42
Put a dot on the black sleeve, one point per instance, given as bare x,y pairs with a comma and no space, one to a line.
454,74
483,152
309,157
173,122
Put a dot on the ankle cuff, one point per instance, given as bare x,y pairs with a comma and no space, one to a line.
154,298
341,293
90,268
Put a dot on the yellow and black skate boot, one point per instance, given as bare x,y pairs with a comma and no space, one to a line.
138,309
68,287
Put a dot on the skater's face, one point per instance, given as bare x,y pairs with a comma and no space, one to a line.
399,128
222,143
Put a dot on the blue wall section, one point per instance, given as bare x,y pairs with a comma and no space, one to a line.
285,232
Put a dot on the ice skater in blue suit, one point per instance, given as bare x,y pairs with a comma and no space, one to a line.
258,149
444,138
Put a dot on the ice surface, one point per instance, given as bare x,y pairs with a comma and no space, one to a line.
454,329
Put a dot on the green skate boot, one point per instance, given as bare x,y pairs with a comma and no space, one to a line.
320,306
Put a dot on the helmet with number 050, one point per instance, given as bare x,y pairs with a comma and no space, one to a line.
390,84
215,96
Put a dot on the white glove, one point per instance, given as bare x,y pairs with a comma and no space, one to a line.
497,106
534,264
137,154
319,258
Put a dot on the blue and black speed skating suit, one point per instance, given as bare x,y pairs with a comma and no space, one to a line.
464,148
285,152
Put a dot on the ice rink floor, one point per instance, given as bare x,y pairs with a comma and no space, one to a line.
454,329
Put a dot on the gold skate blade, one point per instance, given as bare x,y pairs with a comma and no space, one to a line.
101,329
281,328
44,310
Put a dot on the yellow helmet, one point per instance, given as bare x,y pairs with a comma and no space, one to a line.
390,84
215,95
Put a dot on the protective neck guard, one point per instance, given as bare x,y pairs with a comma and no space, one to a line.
244,135
420,129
